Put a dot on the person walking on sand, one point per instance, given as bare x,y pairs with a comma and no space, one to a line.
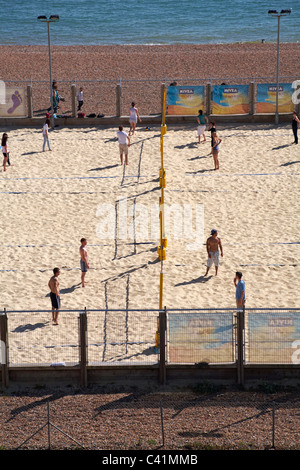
213,248
46,127
124,143
240,291
53,285
84,264
216,149
5,151
202,122
212,129
133,118
80,98
295,125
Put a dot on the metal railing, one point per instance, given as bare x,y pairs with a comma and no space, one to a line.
169,336
114,97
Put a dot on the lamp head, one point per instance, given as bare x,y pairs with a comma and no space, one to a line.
51,18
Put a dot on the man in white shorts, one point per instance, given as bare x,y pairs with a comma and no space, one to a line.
213,247
124,143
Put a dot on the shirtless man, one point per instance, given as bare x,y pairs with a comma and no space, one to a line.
53,285
84,265
213,247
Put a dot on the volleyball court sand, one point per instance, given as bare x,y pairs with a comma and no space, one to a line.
50,200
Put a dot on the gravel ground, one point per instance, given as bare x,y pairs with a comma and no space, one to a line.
123,419
141,70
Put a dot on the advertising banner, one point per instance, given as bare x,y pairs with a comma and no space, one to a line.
230,99
266,98
274,337
185,100
12,102
195,337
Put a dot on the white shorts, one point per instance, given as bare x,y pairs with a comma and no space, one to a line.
214,258
201,130
123,148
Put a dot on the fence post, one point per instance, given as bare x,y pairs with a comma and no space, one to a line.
83,347
118,100
162,91
4,349
240,345
73,98
273,426
162,345
29,101
208,99
251,98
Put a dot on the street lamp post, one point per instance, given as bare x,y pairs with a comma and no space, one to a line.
52,19
275,14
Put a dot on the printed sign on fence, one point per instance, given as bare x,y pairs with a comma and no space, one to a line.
230,99
185,100
272,336
195,337
266,98
13,104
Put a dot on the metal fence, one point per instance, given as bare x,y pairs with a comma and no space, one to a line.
113,336
211,336
101,96
199,419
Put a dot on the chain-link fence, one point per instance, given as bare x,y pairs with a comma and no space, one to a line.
100,97
202,419
192,336
113,336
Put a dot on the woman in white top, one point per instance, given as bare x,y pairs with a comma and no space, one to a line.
45,134
134,116
5,151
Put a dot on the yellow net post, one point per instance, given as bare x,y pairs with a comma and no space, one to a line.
161,249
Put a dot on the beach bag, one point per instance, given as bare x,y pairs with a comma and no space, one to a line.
81,115
92,115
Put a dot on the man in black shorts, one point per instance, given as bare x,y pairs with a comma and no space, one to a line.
54,294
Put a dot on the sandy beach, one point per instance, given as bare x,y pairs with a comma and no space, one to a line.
50,200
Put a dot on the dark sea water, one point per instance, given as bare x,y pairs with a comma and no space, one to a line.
91,22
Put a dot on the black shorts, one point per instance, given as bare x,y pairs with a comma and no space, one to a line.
55,300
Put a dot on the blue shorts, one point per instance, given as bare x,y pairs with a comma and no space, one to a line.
55,300
83,266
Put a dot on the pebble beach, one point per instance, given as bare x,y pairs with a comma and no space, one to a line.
141,70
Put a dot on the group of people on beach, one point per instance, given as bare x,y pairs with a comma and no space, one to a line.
213,243
124,137
53,283
214,249
203,122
